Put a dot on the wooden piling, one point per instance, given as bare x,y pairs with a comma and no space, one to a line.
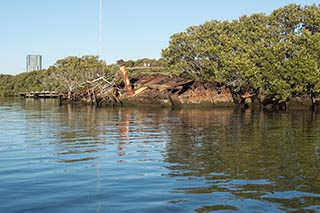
124,75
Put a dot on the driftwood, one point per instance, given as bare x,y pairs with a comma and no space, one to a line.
98,91
104,91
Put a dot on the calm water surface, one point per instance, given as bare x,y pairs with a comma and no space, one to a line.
86,159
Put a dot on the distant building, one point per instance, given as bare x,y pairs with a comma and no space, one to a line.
34,62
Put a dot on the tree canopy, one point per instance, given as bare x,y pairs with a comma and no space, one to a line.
69,73
65,75
276,54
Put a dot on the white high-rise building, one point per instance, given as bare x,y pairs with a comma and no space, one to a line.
34,62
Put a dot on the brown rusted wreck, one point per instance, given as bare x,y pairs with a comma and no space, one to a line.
176,91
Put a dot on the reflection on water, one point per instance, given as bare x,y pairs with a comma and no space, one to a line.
87,159
256,156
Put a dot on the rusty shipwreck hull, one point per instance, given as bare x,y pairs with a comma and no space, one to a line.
176,91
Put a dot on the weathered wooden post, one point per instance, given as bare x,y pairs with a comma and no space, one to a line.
124,75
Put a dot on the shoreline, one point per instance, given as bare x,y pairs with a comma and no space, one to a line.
187,93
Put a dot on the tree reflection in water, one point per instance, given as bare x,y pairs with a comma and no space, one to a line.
184,159
248,154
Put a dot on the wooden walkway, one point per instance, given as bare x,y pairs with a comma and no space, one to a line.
42,94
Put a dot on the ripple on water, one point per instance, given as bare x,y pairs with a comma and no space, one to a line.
74,159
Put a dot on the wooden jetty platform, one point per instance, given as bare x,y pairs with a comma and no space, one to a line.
42,94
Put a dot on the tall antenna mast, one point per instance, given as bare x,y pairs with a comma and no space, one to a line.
100,29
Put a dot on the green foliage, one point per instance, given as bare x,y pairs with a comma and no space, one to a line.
28,81
70,73
64,76
277,55
5,83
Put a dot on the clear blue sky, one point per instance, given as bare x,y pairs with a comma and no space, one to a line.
132,29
